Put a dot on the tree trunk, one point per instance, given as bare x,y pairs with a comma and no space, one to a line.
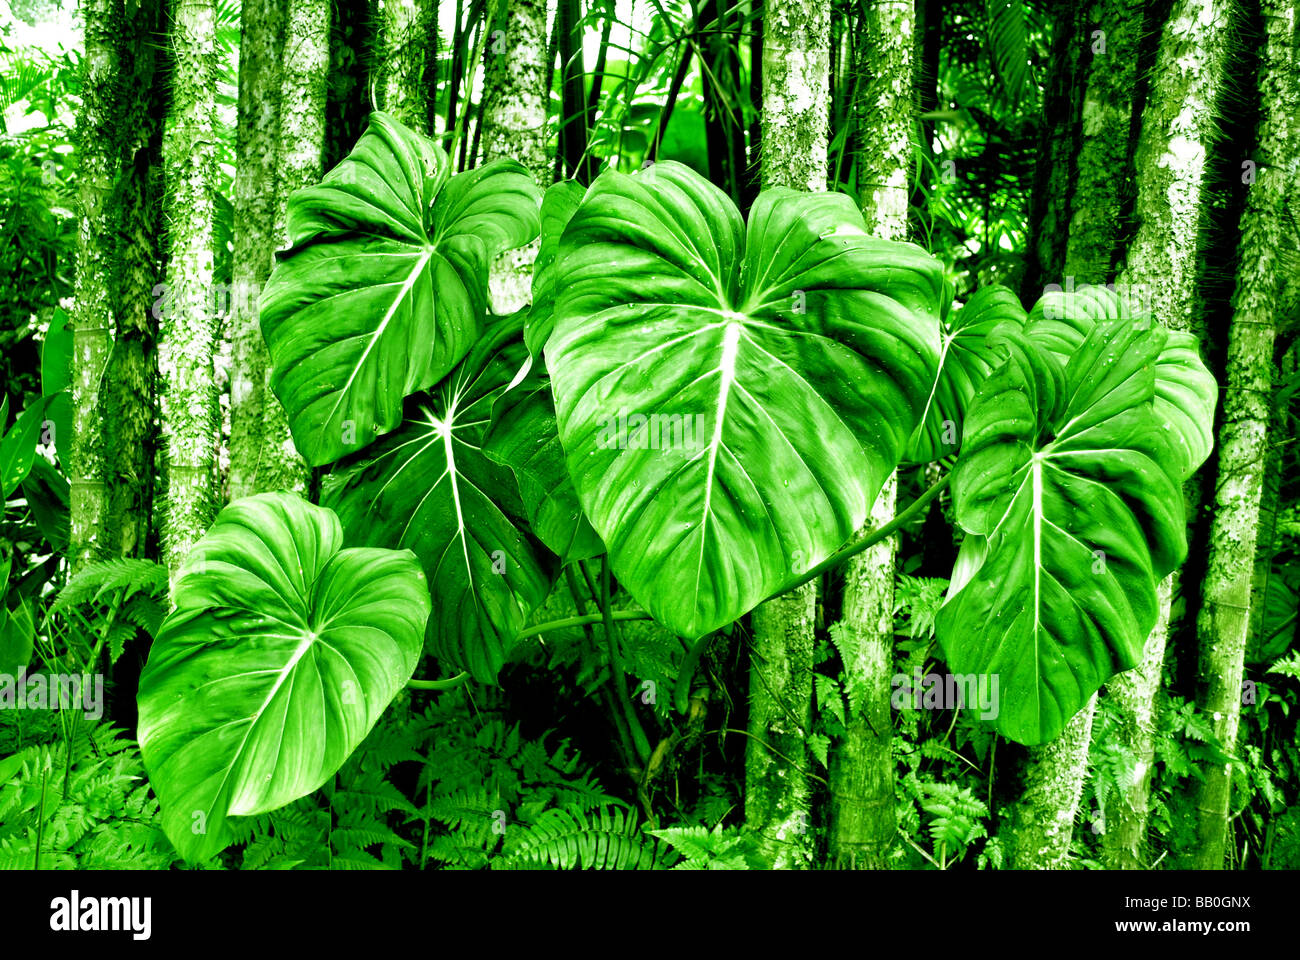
1114,39
862,767
514,125
348,101
407,77
261,44
796,95
300,156
92,311
1177,129
129,401
190,413
1267,228
1042,823
1099,64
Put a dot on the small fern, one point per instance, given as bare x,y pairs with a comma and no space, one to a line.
569,839
722,848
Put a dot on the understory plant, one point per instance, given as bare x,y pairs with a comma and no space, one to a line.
698,409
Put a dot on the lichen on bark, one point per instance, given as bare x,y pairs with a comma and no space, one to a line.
91,316
1267,224
190,414
514,125
1178,130
796,96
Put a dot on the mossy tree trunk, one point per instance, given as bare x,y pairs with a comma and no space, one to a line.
300,155
261,46
406,75
796,97
1267,228
128,401
92,309
1178,123
862,823
190,412
514,125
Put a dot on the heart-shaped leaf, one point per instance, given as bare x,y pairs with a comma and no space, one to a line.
429,487
384,287
965,359
731,400
1076,519
281,653
1186,392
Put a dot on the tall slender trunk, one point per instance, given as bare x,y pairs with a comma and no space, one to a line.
352,37
862,766
261,44
300,163
574,119
1267,226
92,310
407,76
796,96
514,125
190,413
1178,123
128,401
1099,87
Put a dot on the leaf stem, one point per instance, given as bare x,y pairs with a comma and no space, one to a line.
682,691
639,738
880,533
581,621
450,683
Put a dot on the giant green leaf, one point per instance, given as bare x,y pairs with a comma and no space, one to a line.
730,399
1074,516
281,653
429,487
524,437
965,359
384,287
1186,391
558,206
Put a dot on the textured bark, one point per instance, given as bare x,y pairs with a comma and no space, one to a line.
1178,124
883,116
862,766
92,314
1267,226
1043,817
261,44
1270,502
1106,116
128,401
190,414
1076,211
300,156
514,125
406,74
796,96
1096,87
780,714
